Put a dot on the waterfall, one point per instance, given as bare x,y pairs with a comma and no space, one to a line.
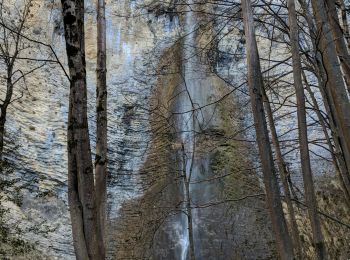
194,116
186,125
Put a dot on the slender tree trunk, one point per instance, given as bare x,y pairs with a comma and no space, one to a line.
303,140
337,157
5,104
189,218
187,182
284,177
10,49
327,101
255,82
334,90
2,132
339,41
101,110
81,193
345,22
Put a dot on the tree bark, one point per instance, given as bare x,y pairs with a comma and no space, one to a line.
339,41
321,74
5,104
334,87
101,112
10,48
303,139
255,82
284,177
81,192
2,132
345,22
337,157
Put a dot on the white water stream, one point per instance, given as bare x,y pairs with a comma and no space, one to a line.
186,121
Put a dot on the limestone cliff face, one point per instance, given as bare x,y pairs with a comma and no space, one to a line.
38,120
148,70
137,39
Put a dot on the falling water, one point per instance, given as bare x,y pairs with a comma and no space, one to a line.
186,120
195,116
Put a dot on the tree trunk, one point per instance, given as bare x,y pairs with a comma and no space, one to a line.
81,193
255,82
339,41
337,157
345,22
322,80
334,89
284,177
2,132
187,181
5,104
101,111
303,140
189,218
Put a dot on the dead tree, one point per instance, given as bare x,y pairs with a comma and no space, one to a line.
255,82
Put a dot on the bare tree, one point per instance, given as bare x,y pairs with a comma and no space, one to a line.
339,41
339,150
282,168
12,45
303,139
334,87
255,82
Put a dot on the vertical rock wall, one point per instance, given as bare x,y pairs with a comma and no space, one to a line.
149,67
